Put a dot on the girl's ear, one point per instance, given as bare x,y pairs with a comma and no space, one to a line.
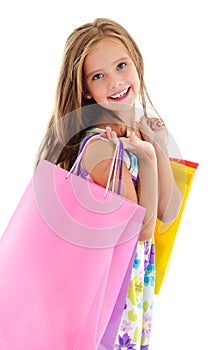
87,95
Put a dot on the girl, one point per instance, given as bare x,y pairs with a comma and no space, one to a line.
103,72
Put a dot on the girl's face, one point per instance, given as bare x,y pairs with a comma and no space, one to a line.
111,77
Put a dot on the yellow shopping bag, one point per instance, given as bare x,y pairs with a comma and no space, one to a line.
165,234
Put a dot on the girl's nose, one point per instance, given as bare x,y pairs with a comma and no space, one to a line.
115,81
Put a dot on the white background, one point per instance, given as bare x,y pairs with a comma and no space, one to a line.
180,44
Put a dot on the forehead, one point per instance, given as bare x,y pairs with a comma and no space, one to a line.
110,42
107,49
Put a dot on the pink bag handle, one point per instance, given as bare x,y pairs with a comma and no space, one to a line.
117,162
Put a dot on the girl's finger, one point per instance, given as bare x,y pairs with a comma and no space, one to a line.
132,137
108,132
113,135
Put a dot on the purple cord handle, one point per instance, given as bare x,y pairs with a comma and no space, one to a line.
118,161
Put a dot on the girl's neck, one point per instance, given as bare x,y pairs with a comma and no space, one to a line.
119,122
121,125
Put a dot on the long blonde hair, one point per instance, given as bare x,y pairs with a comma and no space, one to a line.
63,135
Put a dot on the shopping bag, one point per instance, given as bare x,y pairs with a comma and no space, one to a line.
65,261
165,234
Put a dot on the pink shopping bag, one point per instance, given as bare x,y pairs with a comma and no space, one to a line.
65,262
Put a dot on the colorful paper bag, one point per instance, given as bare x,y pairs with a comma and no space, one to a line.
165,234
65,263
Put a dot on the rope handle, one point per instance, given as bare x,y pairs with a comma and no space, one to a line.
117,163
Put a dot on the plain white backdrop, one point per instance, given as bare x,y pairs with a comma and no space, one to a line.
180,44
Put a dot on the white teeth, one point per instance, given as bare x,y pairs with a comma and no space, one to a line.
121,94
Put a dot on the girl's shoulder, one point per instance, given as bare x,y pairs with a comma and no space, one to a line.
102,147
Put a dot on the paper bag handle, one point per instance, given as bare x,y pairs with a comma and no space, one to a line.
117,162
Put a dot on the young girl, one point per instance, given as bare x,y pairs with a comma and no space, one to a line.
103,72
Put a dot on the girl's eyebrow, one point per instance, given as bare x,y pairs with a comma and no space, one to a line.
101,69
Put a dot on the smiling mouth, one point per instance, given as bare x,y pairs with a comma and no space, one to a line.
120,95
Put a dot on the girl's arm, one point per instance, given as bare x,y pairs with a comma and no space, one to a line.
170,198
97,160
147,188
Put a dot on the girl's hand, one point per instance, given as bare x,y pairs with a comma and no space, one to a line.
131,143
110,135
134,144
153,130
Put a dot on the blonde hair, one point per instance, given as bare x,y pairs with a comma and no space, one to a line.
63,136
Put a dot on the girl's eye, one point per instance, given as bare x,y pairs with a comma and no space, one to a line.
97,76
121,65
